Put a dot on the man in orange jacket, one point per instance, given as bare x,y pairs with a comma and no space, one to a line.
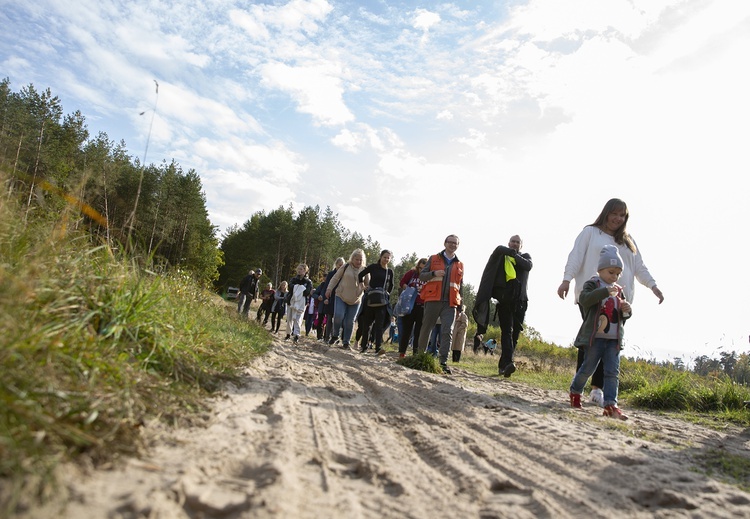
444,277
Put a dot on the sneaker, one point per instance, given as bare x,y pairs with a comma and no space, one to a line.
575,401
614,412
380,351
446,369
402,355
334,340
296,338
509,370
346,347
363,349
597,397
287,337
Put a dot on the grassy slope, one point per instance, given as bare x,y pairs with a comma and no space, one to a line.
93,346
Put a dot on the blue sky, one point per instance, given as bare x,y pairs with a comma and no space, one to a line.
413,120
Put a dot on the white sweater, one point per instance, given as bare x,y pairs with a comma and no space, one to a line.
584,258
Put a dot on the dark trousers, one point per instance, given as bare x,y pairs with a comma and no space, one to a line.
511,315
597,379
309,320
373,316
264,310
328,328
276,321
411,323
505,311
518,317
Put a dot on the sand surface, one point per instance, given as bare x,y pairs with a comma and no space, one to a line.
319,432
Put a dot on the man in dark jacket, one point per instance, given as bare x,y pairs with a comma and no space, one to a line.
326,307
504,279
248,291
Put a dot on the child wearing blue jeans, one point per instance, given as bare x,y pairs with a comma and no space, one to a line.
605,311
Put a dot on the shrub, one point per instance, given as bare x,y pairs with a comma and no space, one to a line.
422,362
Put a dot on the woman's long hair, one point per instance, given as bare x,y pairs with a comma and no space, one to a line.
621,235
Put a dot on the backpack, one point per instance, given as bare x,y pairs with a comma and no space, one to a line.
405,303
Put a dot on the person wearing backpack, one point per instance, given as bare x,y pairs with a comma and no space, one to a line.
411,323
327,302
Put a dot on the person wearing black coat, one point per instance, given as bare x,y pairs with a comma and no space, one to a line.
504,279
248,291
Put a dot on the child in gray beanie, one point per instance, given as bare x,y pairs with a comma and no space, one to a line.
605,312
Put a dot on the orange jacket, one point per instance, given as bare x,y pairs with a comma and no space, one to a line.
433,288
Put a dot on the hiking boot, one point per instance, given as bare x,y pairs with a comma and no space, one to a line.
614,412
597,397
446,369
509,370
575,401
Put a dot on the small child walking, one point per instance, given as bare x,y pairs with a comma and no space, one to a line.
605,311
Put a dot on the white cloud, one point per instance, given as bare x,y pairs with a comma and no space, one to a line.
273,162
424,19
316,88
252,25
347,140
475,139
444,115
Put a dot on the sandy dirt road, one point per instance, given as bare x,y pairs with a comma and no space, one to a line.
319,432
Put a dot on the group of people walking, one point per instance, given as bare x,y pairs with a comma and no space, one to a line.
603,254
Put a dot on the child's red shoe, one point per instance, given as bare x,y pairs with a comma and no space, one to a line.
614,412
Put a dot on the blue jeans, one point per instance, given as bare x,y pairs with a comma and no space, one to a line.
606,352
343,317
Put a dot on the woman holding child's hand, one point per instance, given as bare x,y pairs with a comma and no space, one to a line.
608,229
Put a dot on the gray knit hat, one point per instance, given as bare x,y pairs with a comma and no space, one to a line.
609,257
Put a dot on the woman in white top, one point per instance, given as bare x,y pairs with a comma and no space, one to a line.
608,229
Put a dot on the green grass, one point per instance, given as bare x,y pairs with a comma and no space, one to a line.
642,385
94,346
730,468
422,362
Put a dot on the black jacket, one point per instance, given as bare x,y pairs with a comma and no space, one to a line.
249,284
494,285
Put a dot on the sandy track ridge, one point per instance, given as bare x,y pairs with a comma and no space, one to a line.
317,431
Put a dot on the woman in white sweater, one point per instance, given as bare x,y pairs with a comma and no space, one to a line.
608,229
